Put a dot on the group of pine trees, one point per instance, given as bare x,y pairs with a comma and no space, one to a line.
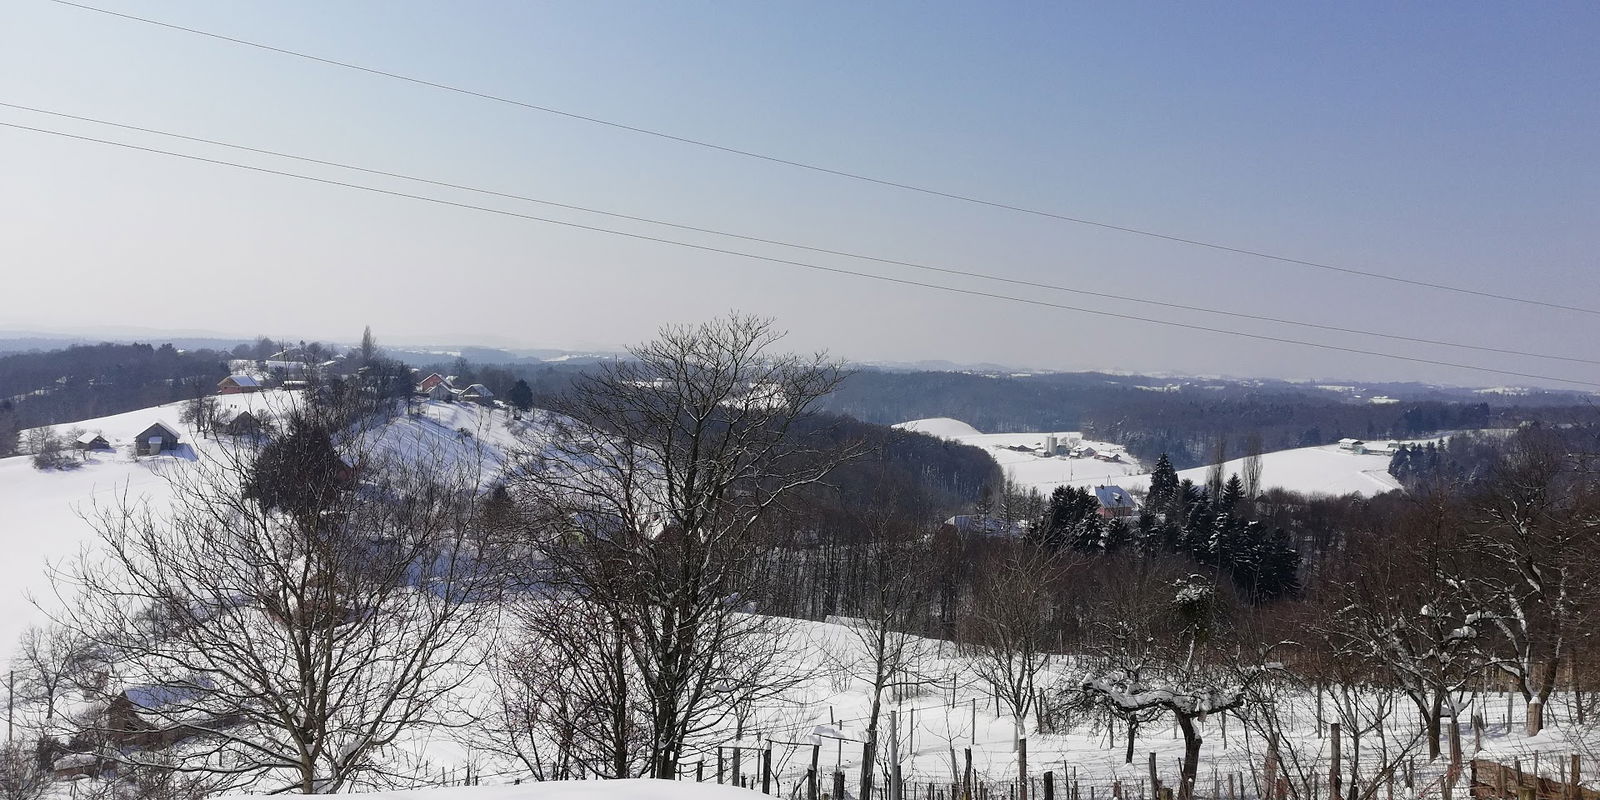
1215,528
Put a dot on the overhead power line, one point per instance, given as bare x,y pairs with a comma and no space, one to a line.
809,248
856,176
794,263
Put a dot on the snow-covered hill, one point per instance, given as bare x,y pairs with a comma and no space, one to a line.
46,510
1324,470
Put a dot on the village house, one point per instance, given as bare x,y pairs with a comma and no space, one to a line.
158,438
1115,502
477,393
1353,446
238,384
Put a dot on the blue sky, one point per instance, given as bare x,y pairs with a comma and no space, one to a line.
1446,142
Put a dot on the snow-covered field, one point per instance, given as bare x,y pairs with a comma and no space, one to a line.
1324,470
1033,469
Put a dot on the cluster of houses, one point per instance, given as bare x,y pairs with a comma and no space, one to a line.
1071,445
1361,448
433,387
440,387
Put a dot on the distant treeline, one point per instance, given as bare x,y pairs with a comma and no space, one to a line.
86,381
1184,422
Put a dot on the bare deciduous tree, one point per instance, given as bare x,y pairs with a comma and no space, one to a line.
1013,605
650,493
23,775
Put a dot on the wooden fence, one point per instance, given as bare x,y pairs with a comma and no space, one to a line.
1495,781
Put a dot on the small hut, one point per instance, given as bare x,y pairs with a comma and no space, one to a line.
92,441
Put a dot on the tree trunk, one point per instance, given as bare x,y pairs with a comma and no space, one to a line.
1535,719
1133,727
1191,756
1434,712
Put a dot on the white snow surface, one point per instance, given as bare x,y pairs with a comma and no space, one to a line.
942,427
637,789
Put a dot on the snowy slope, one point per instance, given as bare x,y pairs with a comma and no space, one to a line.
942,427
1031,469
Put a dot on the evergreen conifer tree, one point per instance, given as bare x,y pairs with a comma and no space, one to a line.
521,396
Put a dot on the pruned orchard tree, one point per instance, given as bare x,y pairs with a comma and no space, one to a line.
288,618
1161,650
1532,545
1405,617
649,494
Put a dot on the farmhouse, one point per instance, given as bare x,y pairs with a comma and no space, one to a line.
1353,446
426,385
157,438
238,384
1115,502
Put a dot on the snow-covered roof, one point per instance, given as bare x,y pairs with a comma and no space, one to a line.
89,437
976,523
1114,497
171,431
242,380
479,390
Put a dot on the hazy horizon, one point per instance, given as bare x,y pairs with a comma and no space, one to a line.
1440,142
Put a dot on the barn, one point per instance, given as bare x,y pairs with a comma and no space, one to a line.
243,423
158,438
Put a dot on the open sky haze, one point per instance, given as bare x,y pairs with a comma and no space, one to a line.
1452,143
